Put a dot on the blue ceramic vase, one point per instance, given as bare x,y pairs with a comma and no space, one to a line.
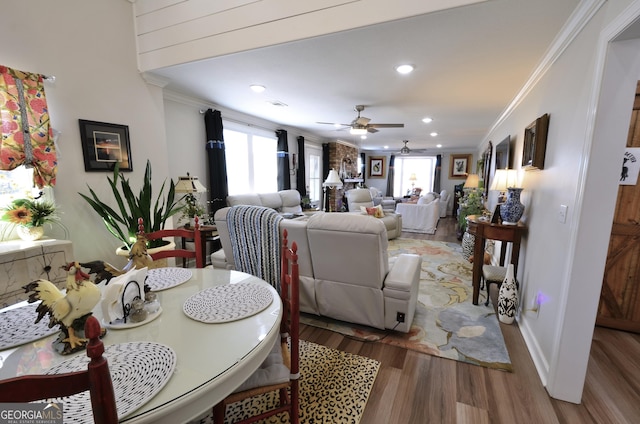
511,211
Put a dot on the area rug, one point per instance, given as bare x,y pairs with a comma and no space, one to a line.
446,323
334,388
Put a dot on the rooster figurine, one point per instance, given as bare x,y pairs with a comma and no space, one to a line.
68,310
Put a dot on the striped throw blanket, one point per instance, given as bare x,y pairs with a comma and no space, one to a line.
255,239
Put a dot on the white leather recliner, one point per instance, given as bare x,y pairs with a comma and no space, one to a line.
344,269
359,197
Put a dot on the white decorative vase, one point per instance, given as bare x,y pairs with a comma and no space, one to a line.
508,297
29,233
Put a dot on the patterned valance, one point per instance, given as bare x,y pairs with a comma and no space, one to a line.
27,136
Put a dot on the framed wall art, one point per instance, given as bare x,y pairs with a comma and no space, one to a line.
460,166
104,145
535,143
376,167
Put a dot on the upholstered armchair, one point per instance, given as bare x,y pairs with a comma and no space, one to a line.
361,197
388,203
445,196
420,217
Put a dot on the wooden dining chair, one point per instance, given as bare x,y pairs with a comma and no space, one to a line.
289,328
192,234
96,379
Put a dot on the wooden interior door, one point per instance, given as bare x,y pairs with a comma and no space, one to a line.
620,297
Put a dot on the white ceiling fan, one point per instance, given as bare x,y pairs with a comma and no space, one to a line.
361,125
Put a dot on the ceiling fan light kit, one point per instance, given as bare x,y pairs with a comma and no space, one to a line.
405,150
358,131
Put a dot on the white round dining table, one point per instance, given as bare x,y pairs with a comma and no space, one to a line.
212,359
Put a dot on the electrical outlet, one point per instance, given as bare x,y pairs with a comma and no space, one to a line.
400,317
535,307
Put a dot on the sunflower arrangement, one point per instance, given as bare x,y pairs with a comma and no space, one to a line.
30,213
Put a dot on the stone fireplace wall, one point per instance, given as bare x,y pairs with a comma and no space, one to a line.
344,159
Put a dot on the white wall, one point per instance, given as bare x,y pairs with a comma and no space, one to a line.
88,47
565,261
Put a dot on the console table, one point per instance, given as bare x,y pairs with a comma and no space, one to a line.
24,261
483,230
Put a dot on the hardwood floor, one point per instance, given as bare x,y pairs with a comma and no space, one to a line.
415,388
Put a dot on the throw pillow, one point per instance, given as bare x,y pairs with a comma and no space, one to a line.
376,211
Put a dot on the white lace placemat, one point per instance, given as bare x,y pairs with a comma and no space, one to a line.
228,302
165,278
17,326
138,371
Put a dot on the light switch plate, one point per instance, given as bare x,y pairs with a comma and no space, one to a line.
562,213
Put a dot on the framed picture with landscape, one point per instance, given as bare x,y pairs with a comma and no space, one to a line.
104,145
376,167
460,166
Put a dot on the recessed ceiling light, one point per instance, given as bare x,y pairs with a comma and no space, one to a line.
427,120
257,88
433,134
438,145
386,147
363,137
404,69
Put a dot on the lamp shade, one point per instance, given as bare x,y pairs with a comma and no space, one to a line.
413,177
333,180
503,179
189,184
472,181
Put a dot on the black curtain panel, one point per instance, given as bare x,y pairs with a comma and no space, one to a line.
363,166
437,174
301,185
218,187
284,181
390,175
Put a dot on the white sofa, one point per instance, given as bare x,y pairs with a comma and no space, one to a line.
344,269
420,217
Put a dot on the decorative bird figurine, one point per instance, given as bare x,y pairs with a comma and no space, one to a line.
138,255
68,309
104,271
138,258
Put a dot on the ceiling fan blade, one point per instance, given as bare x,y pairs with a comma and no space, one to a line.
334,123
371,129
386,125
361,120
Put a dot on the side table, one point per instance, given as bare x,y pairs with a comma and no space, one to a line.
483,230
210,233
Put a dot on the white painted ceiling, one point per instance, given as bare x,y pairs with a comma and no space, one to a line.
469,62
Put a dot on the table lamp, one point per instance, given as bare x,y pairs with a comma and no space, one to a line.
189,184
332,181
472,181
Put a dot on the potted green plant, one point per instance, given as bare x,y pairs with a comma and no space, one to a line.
191,208
28,216
470,204
123,222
